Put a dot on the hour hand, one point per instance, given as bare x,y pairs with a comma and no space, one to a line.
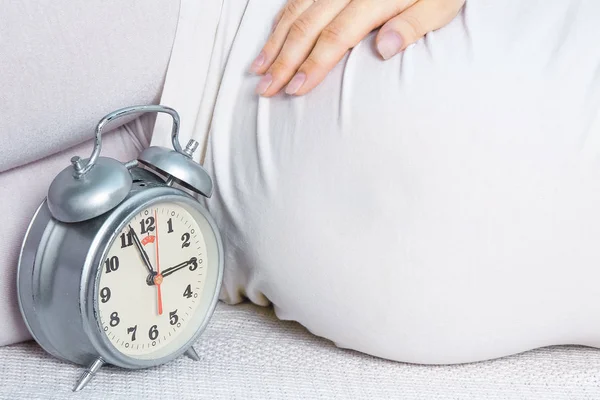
192,261
140,248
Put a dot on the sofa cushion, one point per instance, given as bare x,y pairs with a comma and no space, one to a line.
60,64
246,353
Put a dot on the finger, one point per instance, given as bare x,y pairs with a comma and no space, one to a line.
302,36
412,24
292,10
277,19
352,24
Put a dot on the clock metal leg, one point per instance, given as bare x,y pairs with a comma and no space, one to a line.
88,374
191,353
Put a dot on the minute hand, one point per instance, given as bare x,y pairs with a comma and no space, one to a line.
169,271
140,248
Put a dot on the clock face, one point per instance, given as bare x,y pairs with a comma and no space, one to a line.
151,283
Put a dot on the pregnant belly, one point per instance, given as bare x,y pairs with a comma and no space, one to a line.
440,207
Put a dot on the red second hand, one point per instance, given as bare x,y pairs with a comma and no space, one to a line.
158,278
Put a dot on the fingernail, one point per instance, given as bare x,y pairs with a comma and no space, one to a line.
296,83
258,62
389,44
264,84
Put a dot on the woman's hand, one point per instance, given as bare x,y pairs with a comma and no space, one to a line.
311,36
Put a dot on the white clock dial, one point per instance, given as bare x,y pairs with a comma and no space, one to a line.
152,280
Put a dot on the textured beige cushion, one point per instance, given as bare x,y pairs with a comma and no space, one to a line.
248,354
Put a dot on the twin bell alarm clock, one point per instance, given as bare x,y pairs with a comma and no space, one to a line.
121,264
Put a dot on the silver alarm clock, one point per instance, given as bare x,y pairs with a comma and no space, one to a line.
121,265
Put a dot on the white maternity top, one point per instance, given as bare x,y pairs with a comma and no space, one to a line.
439,207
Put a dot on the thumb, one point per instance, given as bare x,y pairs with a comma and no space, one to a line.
413,23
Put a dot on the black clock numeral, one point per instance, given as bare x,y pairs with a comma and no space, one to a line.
114,319
173,318
132,331
126,239
105,295
153,332
147,225
170,225
185,238
188,292
111,264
